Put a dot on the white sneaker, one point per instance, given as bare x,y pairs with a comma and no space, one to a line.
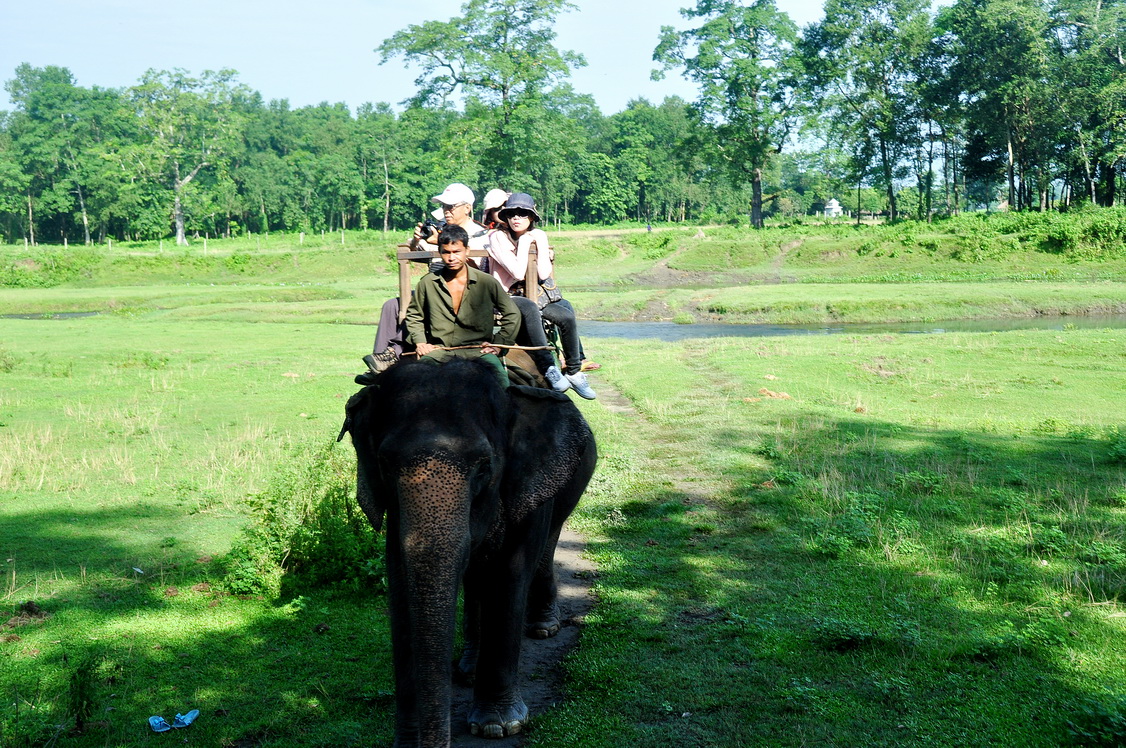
578,381
555,378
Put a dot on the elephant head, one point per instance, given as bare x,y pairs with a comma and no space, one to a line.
474,482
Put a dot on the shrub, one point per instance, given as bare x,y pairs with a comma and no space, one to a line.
1117,451
1099,722
46,268
8,361
653,246
307,531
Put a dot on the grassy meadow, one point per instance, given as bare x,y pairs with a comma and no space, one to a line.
830,540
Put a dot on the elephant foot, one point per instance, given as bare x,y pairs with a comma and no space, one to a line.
494,721
544,624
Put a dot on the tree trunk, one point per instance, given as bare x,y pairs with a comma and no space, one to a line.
30,220
946,171
756,197
954,177
930,169
386,197
1107,171
85,217
177,208
178,219
885,158
1012,174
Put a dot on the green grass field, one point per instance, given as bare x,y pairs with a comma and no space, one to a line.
833,540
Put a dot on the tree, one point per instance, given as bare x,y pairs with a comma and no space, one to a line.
742,58
499,53
189,124
1004,70
1092,36
862,59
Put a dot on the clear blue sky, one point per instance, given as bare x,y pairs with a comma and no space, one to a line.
322,50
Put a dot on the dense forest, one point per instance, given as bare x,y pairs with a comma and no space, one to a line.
887,106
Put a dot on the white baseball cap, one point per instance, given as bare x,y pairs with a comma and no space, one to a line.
456,194
495,199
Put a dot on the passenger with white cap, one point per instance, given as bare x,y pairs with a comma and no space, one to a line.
494,201
456,207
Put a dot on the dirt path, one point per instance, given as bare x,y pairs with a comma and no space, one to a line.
541,671
776,265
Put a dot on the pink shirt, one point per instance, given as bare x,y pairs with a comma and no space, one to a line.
509,263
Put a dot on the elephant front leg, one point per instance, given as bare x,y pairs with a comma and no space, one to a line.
498,710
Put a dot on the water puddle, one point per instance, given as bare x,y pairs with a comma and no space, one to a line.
670,331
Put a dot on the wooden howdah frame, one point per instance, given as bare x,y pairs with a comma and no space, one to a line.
407,254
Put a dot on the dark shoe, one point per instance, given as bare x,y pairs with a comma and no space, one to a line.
381,362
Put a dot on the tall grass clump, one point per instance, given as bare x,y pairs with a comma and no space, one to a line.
47,268
654,246
306,531
1080,234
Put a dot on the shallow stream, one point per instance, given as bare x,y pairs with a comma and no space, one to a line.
670,331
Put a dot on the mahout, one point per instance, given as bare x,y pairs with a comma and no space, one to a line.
475,481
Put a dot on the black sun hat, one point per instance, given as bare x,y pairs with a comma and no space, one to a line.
520,201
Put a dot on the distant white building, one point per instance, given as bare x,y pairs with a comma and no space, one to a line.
833,208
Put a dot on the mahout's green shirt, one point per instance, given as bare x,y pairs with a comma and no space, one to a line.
431,317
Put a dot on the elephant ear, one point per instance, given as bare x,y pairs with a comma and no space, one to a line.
358,422
548,444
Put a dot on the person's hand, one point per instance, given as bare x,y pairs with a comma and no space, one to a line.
418,235
486,348
424,349
436,266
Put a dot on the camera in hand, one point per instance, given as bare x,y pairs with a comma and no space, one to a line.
432,227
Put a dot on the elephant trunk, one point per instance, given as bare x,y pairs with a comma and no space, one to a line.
434,539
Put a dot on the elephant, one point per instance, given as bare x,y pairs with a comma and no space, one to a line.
475,481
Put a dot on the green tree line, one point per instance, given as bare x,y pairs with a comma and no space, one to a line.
887,106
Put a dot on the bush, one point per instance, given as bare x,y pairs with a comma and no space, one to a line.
1099,723
47,268
8,361
307,531
653,246
1117,451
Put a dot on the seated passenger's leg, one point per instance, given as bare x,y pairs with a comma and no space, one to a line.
531,332
391,333
564,319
